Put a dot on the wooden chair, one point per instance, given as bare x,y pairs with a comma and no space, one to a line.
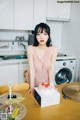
20,86
15,87
26,76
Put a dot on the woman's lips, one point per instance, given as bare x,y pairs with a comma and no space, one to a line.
41,40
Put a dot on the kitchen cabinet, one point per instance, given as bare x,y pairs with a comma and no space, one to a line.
6,14
58,11
23,14
22,67
16,14
8,72
13,70
39,11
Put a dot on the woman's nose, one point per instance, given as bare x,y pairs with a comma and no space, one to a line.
42,36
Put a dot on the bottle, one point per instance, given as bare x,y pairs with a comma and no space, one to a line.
12,46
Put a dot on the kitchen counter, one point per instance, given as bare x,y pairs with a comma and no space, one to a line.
13,61
13,52
66,110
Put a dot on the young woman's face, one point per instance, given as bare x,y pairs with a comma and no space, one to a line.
42,37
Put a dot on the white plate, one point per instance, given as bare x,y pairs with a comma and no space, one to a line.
4,97
20,115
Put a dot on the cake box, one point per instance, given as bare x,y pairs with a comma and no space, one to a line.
46,96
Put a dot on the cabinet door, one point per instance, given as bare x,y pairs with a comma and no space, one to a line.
6,14
52,9
64,11
58,11
8,72
39,11
22,67
23,14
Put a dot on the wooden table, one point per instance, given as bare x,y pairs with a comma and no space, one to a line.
66,110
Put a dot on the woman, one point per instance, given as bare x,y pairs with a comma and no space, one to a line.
42,57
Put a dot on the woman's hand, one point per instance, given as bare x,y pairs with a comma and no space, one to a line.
31,91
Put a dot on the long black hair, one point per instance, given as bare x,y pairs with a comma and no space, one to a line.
39,28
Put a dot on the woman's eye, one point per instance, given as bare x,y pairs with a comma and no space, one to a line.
45,33
38,33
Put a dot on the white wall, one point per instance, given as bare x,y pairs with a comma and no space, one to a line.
56,32
71,32
70,42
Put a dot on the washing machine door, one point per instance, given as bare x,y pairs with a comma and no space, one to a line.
64,75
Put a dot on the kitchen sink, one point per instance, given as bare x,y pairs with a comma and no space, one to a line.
8,57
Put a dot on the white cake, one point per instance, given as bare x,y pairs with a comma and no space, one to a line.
46,96
46,90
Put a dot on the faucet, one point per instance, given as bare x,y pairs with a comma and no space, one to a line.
19,43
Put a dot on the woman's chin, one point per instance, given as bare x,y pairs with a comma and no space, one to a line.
42,43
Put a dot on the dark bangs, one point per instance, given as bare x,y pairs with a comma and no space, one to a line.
40,28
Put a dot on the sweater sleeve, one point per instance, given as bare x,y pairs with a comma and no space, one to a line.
52,63
31,66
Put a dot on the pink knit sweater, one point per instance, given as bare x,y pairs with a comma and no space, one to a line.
41,69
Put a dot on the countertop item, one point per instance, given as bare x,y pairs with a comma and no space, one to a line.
11,57
66,110
4,97
72,92
4,106
18,116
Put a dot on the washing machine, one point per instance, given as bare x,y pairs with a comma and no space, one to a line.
65,70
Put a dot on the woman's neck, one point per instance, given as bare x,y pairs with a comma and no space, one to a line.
42,46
